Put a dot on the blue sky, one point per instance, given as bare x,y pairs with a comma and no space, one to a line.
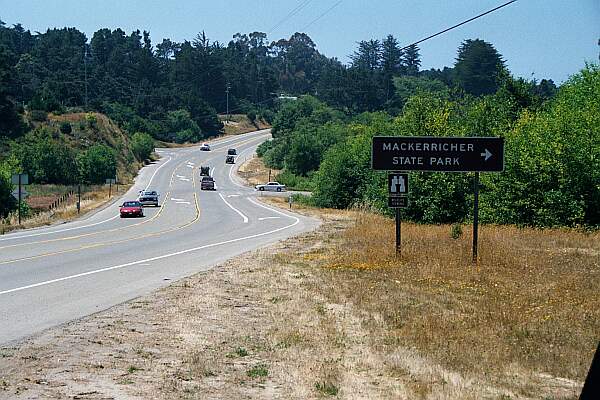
546,38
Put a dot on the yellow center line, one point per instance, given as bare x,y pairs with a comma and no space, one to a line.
95,245
121,228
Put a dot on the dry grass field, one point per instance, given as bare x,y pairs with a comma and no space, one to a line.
255,172
334,314
240,123
530,308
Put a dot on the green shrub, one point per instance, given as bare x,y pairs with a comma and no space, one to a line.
91,120
97,164
141,145
38,115
258,371
295,182
327,388
44,158
267,115
456,231
264,147
65,128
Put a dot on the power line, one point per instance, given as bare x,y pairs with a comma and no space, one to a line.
289,15
459,24
322,15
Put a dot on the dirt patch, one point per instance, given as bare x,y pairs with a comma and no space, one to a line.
306,318
240,123
254,172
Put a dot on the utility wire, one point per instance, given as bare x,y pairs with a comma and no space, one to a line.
459,24
289,15
322,15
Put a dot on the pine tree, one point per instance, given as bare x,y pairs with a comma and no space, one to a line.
412,60
478,67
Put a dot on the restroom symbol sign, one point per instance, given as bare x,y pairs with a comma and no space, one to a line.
397,184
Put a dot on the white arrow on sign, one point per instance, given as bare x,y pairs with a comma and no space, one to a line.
487,154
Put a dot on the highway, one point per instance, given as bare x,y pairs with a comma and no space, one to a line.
53,275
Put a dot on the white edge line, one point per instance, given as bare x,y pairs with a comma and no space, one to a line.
10,237
59,231
234,209
157,169
237,167
269,208
79,227
147,260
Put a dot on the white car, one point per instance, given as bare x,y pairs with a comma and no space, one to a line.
205,147
271,186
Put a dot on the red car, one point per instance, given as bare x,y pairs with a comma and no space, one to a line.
131,209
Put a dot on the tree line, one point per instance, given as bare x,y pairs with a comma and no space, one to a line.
127,74
552,144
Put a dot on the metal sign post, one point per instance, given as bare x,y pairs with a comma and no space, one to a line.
20,195
441,154
78,198
110,182
20,180
397,189
475,215
398,233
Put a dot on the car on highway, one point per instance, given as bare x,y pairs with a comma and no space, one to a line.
204,170
232,152
131,209
148,198
229,160
207,183
271,187
205,147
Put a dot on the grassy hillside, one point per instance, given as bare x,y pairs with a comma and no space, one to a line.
95,128
240,123
76,133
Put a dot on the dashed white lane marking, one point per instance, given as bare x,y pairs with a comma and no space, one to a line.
147,260
174,199
234,209
182,202
263,218
234,195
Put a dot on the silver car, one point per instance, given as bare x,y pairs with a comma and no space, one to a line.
148,198
271,187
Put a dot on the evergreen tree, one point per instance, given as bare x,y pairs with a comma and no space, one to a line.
478,67
412,60
368,55
391,63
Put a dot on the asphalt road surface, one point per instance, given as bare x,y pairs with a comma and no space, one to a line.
52,275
